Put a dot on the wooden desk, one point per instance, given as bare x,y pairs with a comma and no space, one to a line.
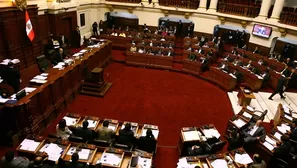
222,79
184,143
36,110
134,128
144,60
30,146
125,160
223,156
80,148
192,67
92,120
244,99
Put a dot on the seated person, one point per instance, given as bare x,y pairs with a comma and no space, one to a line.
206,45
161,45
202,40
141,50
205,63
160,52
62,130
271,55
200,51
188,35
147,142
142,42
74,162
258,162
254,133
234,51
151,44
288,62
129,35
149,52
171,45
192,57
210,53
114,33
196,150
122,34
244,47
256,51
90,42
10,161
38,163
260,62
162,38
189,49
249,65
281,151
198,43
133,48
228,58
164,33
266,77
293,133
237,62
127,28
58,57
214,39
195,37
169,53
84,132
235,140
238,75
224,66
126,135
105,133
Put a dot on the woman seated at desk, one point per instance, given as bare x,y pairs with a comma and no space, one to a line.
133,48
62,130
147,143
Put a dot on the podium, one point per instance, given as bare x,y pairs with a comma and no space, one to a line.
245,96
94,84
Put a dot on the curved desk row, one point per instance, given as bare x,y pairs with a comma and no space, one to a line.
222,78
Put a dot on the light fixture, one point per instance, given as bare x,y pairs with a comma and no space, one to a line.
20,4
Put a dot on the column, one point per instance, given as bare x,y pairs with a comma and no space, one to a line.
202,4
265,6
277,9
213,5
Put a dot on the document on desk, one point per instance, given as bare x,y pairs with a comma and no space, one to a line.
44,74
233,76
29,145
155,132
71,150
3,100
145,162
243,158
84,154
250,108
270,140
40,77
83,51
53,150
239,123
288,117
70,121
191,136
210,133
29,89
277,135
112,127
268,145
219,163
283,128
110,159
247,115
92,123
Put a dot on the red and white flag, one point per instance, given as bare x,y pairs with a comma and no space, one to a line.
29,27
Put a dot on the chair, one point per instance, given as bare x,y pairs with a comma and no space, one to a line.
53,136
281,163
123,146
148,145
258,115
102,143
42,63
76,139
216,146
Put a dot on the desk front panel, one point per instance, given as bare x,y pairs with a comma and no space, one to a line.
221,78
149,60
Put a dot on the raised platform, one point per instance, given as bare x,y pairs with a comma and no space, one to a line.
262,103
95,89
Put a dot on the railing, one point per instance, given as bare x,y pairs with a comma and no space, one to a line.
289,18
190,4
127,1
239,9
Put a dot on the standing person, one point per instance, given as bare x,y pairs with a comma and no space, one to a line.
77,38
12,77
179,28
95,28
280,88
101,27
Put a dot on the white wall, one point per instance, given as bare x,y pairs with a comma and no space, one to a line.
288,3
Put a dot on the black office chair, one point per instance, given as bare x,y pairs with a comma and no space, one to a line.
258,115
123,146
42,63
216,146
281,163
149,145
102,143
73,138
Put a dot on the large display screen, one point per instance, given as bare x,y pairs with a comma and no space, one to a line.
262,31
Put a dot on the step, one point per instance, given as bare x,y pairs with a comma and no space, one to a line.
90,84
94,89
97,93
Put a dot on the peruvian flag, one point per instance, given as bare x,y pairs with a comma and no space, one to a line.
29,27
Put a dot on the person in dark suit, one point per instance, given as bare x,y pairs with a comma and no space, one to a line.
58,57
197,150
38,163
126,135
12,76
74,162
95,28
200,51
254,133
63,41
105,133
147,143
224,66
258,162
179,28
170,53
293,133
84,132
281,151
10,161
204,63
279,88
191,29
235,140
77,37
256,51
266,77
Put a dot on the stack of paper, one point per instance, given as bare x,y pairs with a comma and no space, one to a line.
112,127
40,77
70,121
270,140
250,108
247,115
110,159
53,150
83,51
6,61
92,123
29,145
76,54
283,128
288,117
191,136
277,135
60,65
29,89
239,123
210,133
232,75
182,163
259,77
145,162
155,132
219,163
268,145
243,158
38,81
84,154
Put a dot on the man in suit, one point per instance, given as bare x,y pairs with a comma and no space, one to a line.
10,161
191,29
197,150
280,87
169,53
256,51
254,133
38,163
126,135
63,41
179,28
281,151
74,162
105,133
200,51
58,57
84,132
258,162
95,28
224,66
205,63
12,76
266,77
77,37
293,133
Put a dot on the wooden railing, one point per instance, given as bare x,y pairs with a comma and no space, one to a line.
190,4
127,1
239,9
289,18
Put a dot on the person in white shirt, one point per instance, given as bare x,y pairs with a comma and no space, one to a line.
151,44
62,130
141,51
114,34
122,34
249,64
254,133
189,49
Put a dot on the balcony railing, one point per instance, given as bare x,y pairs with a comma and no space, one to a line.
289,16
239,9
190,4
127,1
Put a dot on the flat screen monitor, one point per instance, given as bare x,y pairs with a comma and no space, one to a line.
262,31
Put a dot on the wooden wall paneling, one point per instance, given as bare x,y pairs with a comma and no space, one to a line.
263,50
35,114
47,107
279,47
67,85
